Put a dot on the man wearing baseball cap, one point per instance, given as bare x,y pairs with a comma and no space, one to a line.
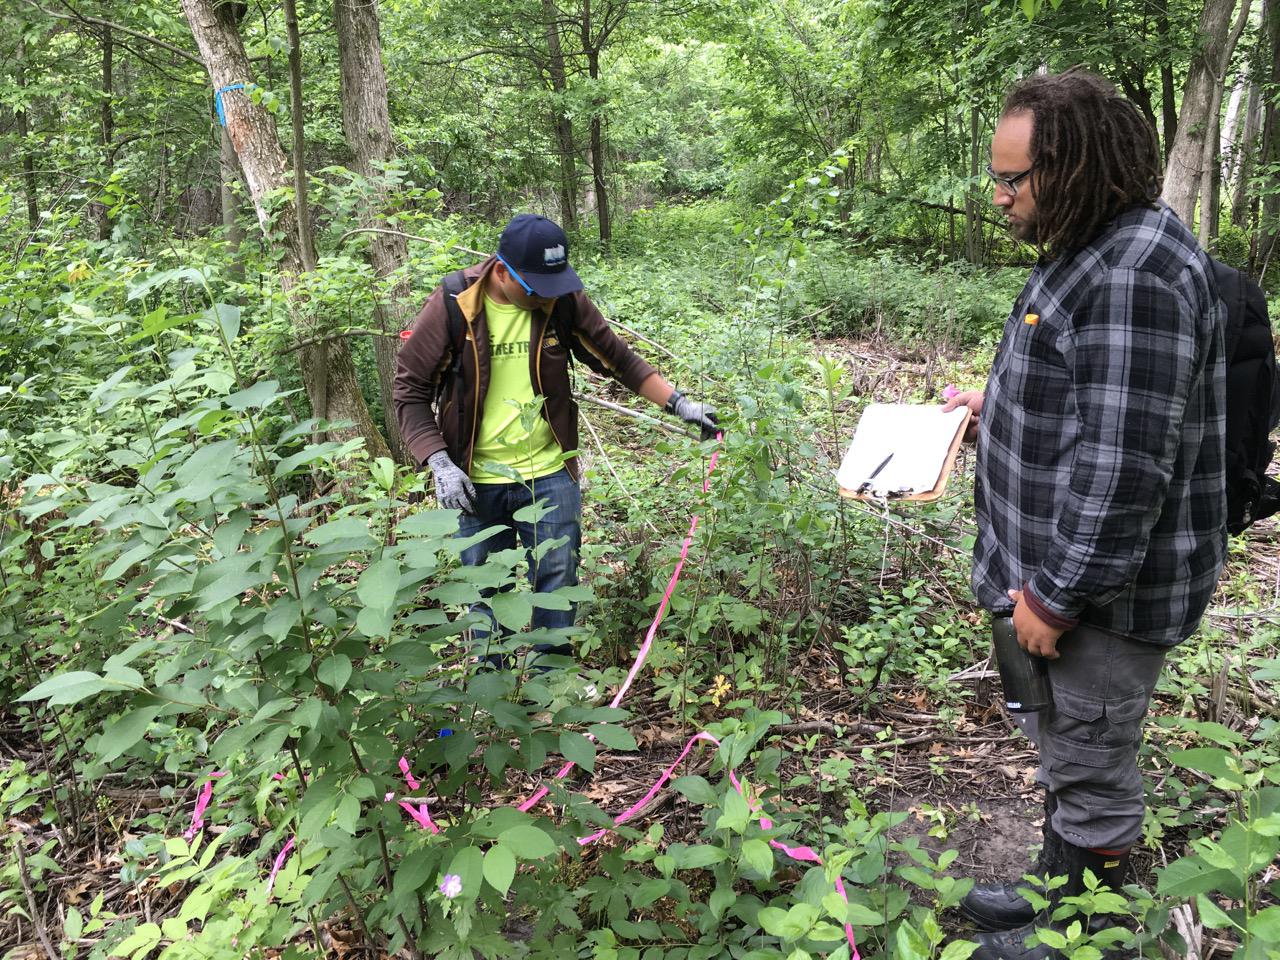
483,397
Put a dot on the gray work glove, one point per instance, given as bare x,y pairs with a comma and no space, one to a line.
701,415
454,489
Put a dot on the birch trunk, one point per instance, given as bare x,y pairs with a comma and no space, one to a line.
327,369
366,122
1242,165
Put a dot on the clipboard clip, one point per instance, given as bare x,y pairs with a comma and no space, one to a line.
865,486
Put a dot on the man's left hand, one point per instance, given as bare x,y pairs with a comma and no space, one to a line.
701,415
1034,635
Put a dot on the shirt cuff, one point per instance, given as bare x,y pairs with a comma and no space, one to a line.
1037,606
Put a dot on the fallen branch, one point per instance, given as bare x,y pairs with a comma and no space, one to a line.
609,463
31,902
642,338
634,414
827,727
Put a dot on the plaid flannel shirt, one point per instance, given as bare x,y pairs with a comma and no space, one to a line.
1100,472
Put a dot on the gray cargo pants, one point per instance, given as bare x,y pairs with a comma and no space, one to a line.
1089,738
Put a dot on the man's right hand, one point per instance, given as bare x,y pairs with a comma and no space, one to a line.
454,489
973,400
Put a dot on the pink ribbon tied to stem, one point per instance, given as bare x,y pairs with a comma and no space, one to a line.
421,813
281,857
202,804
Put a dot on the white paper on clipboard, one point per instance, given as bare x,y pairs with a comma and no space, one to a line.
916,439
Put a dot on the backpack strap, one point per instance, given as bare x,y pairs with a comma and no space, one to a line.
1233,292
564,318
453,284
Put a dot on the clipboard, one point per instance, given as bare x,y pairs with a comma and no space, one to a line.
902,451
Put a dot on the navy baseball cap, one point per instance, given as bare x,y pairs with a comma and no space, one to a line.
538,250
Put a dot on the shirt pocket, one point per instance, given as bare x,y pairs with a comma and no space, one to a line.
1034,374
553,367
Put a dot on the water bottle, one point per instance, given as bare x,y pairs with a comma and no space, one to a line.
1025,677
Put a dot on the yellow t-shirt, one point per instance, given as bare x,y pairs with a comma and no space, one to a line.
502,438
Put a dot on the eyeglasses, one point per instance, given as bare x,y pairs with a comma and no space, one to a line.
519,279
1010,184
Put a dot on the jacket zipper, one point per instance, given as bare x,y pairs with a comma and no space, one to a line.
475,407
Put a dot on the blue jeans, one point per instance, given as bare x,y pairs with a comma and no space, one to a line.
497,503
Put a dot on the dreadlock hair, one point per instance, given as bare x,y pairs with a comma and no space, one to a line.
1093,156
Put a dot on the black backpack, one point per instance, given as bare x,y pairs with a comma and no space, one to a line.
564,317
1253,400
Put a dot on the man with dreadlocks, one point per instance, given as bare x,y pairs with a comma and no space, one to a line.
1100,466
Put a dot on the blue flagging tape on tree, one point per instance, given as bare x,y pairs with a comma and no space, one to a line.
217,100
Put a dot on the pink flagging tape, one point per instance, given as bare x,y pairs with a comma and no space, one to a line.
408,777
416,807
643,653
202,804
281,857
805,854
653,791
421,815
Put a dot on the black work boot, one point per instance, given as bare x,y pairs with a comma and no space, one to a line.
999,906
1110,869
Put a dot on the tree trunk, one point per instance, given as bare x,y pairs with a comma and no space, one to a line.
1210,186
568,188
1269,221
1242,165
1211,163
592,50
1168,94
232,232
972,208
162,185
101,210
367,124
306,242
24,131
1231,121
1201,101
946,141
327,369
597,176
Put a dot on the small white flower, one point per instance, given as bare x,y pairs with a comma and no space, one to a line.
451,885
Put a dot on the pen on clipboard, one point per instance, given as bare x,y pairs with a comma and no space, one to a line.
866,484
